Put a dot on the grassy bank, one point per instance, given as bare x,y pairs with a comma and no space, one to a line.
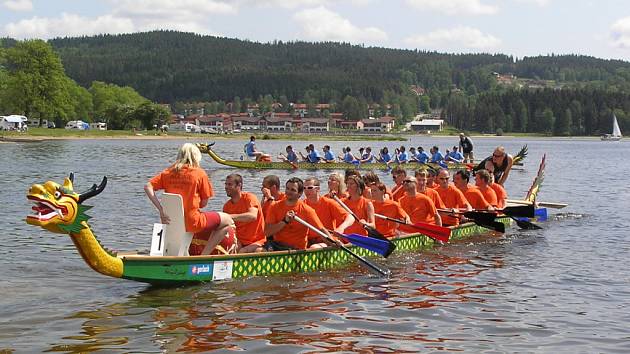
43,133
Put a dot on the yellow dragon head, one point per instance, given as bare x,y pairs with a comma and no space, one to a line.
58,208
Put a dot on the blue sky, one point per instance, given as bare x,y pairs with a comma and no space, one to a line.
514,27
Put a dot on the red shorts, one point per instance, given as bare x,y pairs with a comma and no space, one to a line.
200,239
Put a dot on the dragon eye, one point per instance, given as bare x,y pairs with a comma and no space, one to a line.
57,194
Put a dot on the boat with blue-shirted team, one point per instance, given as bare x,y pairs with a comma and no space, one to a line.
273,165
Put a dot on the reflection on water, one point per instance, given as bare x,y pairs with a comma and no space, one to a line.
560,289
328,311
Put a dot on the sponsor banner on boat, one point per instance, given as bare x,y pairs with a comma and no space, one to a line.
222,270
199,269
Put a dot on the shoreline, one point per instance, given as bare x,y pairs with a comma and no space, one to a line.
392,137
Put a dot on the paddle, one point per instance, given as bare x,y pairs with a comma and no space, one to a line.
540,204
372,232
523,223
482,218
527,211
373,244
436,232
361,259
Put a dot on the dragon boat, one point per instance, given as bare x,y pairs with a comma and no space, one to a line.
59,209
276,165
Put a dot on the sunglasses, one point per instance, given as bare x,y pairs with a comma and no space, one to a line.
495,155
444,178
311,187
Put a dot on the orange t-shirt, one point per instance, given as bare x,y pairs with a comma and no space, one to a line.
397,192
251,231
293,234
501,194
434,196
265,206
475,198
330,213
193,185
420,208
391,209
489,195
452,198
359,207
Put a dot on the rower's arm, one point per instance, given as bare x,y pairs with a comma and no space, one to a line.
505,174
250,215
349,220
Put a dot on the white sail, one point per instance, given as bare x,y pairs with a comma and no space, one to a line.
616,131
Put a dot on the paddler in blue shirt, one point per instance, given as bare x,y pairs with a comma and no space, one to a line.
347,156
312,155
422,156
402,156
328,155
367,157
291,156
454,156
384,155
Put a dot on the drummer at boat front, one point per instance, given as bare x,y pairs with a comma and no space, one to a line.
502,162
270,192
245,210
250,150
329,156
291,157
186,178
283,232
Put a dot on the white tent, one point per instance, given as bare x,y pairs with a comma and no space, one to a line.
13,122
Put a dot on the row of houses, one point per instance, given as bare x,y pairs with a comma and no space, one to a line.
284,122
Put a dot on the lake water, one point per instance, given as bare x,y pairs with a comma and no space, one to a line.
565,288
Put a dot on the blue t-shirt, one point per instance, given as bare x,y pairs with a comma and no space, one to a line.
437,157
456,156
402,157
348,157
249,148
367,157
386,157
423,157
329,156
292,157
313,156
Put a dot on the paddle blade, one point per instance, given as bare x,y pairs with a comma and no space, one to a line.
526,211
374,233
436,232
541,214
375,245
525,224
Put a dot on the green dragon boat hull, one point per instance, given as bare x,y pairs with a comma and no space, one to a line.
196,269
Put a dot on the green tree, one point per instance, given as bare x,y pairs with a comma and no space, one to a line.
425,104
107,96
148,114
547,121
35,85
562,125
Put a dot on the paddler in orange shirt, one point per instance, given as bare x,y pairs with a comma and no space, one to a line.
398,190
281,230
498,189
270,192
386,207
472,194
422,176
360,206
418,206
452,198
482,181
247,214
330,213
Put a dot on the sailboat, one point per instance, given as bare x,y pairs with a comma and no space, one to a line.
616,133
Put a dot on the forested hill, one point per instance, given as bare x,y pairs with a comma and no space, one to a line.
169,66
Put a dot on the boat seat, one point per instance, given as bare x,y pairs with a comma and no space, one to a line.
175,238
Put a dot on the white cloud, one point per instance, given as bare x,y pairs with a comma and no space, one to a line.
126,16
67,25
454,39
455,7
324,25
620,33
540,3
292,4
18,5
